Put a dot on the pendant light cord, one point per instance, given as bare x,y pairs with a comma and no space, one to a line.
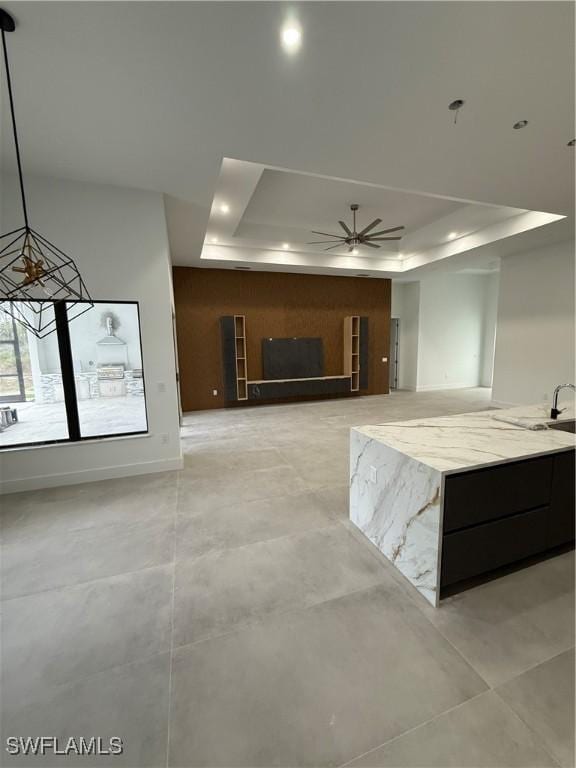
14,131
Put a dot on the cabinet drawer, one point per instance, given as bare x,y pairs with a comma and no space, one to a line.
478,550
487,494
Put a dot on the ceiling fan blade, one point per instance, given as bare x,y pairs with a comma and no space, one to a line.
328,234
386,231
379,239
370,245
369,227
346,228
331,248
319,242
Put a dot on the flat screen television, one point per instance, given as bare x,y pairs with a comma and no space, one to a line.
293,358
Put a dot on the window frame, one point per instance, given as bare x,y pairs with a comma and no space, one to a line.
62,332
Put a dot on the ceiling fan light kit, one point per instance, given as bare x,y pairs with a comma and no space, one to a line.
353,239
34,273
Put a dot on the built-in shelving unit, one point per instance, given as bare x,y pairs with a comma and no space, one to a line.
238,387
352,351
241,361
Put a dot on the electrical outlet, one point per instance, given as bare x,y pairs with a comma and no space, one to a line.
164,439
373,475
215,392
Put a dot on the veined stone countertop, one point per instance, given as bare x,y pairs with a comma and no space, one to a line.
471,440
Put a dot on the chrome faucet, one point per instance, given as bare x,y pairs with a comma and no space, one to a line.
554,413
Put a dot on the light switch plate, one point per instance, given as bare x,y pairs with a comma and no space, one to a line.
373,474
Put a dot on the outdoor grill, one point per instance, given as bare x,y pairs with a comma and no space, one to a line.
112,371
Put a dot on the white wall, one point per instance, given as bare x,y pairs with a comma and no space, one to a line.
447,329
492,285
451,331
535,333
118,238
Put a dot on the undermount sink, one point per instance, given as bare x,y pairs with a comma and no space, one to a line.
564,426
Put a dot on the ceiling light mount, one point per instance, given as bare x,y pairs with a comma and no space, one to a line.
352,238
7,23
33,271
571,143
455,106
520,124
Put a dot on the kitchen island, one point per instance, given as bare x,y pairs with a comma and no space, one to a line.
447,499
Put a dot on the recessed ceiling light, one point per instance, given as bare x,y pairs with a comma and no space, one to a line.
291,37
286,246
571,143
224,208
452,235
213,239
520,124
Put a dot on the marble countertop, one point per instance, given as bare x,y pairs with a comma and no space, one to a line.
473,440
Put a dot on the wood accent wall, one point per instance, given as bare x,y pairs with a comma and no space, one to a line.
276,305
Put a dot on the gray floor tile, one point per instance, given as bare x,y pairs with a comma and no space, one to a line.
481,733
544,698
510,624
249,522
74,507
313,687
129,702
41,561
213,462
222,590
336,500
195,496
318,468
56,637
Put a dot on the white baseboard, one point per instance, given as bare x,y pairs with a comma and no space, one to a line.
89,475
438,387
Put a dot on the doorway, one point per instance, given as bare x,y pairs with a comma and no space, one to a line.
394,344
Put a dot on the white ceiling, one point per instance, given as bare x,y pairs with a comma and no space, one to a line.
268,216
288,206
155,94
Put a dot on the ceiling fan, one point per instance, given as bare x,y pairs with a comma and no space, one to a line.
353,239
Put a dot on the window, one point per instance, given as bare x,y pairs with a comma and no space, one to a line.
83,381
32,408
107,360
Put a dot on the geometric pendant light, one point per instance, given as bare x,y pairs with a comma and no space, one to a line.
34,273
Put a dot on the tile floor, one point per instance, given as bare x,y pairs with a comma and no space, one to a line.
227,615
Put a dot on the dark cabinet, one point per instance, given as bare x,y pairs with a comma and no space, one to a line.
485,547
499,515
493,492
561,518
